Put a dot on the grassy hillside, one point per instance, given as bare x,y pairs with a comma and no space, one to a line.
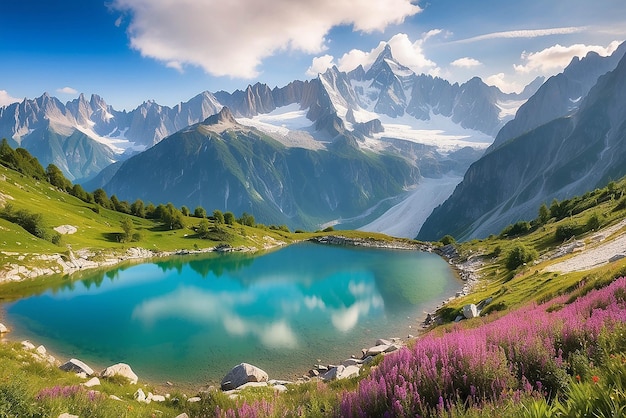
550,342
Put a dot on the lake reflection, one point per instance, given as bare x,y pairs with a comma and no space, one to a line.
192,319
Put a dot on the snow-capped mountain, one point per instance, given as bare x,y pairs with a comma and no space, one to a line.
581,147
437,127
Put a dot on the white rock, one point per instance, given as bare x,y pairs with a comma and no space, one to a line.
76,366
67,415
183,415
115,398
241,374
253,385
94,381
194,399
120,369
27,345
41,350
3,328
139,396
470,311
158,398
348,372
382,341
374,351
280,388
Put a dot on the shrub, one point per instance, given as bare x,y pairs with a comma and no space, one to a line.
328,229
566,231
447,240
519,255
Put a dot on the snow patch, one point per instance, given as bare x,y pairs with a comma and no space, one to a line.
405,219
508,108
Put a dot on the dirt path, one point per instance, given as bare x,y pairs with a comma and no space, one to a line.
596,253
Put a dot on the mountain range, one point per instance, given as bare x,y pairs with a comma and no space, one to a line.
400,126
567,139
343,148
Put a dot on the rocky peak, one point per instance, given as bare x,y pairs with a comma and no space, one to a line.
223,116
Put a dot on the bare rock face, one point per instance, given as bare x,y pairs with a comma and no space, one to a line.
120,369
242,374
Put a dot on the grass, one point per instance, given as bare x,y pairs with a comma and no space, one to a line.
25,383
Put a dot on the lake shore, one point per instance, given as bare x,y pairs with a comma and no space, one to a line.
418,329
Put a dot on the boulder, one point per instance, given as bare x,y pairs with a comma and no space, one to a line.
241,374
183,415
280,388
76,366
341,372
253,385
470,311
120,369
67,415
157,398
94,381
3,328
140,396
27,345
382,341
616,257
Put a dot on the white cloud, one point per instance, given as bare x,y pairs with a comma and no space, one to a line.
6,99
320,65
466,62
526,33
175,65
233,37
557,57
408,53
67,90
500,81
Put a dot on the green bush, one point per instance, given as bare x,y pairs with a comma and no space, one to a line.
447,240
520,255
566,231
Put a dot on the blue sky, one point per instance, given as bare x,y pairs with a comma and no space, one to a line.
129,51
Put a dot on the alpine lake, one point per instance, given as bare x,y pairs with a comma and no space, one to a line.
190,319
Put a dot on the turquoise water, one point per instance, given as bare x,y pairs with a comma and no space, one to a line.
191,319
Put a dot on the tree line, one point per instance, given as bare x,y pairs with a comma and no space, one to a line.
171,217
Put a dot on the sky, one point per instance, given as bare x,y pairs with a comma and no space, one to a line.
131,51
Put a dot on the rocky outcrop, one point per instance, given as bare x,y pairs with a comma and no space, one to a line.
120,369
76,366
242,374
3,329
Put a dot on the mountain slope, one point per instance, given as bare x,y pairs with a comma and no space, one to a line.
560,95
567,156
221,164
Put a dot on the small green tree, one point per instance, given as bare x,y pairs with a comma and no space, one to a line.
593,223
218,216
101,198
246,219
184,210
138,209
229,218
544,214
128,228
203,228
56,178
520,255
447,239
199,212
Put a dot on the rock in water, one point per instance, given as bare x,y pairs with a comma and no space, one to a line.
3,329
242,374
120,369
76,366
